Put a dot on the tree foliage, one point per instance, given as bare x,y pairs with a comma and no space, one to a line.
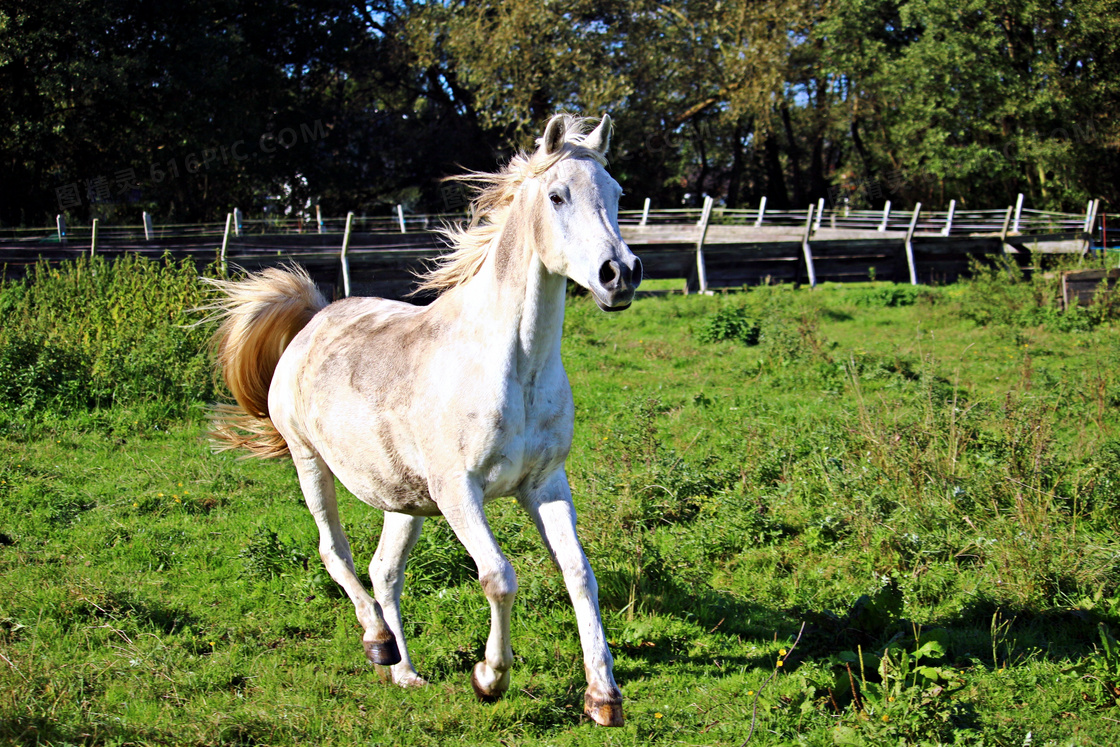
186,109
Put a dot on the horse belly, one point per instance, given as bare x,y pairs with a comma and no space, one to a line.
387,486
373,456
408,496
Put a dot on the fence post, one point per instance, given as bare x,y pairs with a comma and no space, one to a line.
225,243
645,213
400,218
1006,224
910,245
820,214
701,268
761,212
886,216
949,218
148,228
319,217
343,258
61,223
1018,212
807,252
1091,223
238,219
1104,233
1084,225
93,239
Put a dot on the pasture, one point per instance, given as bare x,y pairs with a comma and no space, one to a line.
917,485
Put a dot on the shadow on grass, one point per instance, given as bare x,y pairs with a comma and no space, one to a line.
116,605
39,730
984,631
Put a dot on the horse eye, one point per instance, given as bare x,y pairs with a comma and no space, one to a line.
556,199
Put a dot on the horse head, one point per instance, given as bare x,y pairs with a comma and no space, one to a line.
578,200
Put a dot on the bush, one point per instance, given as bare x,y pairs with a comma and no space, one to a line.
1004,296
94,332
269,556
729,323
892,296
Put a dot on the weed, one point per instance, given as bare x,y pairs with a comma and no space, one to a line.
899,695
729,323
1103,666
267,555
892,295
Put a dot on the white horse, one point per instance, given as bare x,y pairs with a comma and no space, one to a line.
426,411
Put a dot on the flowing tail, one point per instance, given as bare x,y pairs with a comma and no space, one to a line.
259,316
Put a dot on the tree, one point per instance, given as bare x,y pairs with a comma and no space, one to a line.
188,109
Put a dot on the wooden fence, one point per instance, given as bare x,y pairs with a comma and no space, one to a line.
706,247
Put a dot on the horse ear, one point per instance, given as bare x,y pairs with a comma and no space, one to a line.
600,137
553,135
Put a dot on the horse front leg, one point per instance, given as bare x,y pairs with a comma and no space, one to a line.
551,507
461,504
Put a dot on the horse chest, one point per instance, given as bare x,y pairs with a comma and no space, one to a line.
530,433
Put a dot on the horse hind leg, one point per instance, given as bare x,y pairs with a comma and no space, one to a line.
386,570
317,483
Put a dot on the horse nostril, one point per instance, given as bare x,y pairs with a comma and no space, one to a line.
636,273
608,273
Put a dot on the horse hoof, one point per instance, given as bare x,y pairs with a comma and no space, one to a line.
603,712
485,695
411,680
383,652
389,676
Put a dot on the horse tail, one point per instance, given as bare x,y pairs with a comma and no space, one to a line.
258,317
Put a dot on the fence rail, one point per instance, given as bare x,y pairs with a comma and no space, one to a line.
709,246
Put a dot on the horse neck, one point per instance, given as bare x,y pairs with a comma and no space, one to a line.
519,301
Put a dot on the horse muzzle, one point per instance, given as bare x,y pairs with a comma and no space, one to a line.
617,281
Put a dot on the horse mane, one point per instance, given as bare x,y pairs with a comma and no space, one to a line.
489,210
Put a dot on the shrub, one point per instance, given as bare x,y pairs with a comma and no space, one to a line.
1003,295
269,556
891,295
96,332
729,323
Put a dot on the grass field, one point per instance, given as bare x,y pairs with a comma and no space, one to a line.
921,483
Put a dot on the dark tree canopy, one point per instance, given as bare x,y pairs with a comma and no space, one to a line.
187,109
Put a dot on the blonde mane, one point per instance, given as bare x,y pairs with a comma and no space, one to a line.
489,210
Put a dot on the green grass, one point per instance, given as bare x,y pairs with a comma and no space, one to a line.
927,480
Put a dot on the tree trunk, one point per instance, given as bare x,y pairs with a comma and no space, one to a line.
735,176
776,194
799,195
701,148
